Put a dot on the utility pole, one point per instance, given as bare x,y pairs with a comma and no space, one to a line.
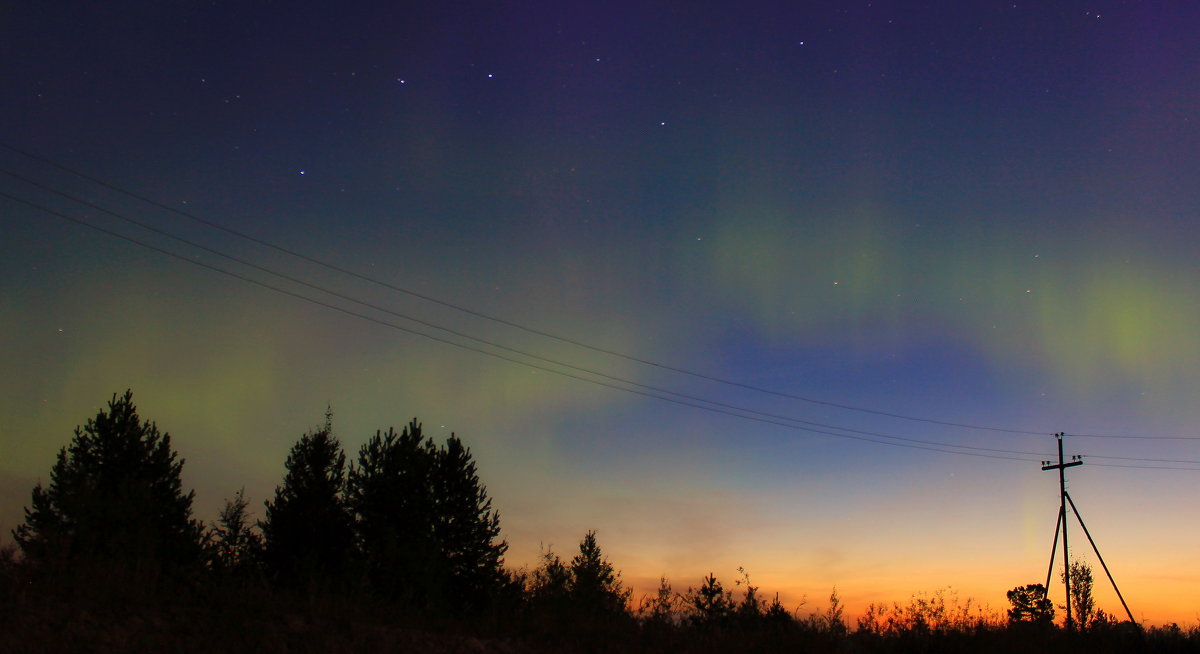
1062,466
1061,525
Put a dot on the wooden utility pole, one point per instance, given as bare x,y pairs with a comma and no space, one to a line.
1062,466
1061,525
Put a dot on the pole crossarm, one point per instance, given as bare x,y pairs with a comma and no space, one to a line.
1050,465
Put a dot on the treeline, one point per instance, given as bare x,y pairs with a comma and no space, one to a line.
408,520
399,549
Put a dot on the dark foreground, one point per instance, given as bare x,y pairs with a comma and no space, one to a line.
93,618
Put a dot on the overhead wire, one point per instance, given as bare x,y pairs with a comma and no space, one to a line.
469,311
473,338
503,321
730,410
708,404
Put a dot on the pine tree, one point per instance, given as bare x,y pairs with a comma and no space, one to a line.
466,528
307,534
390,493
1030,605
425,526
710,604
549,587
663,608
236,546
115,497
596,587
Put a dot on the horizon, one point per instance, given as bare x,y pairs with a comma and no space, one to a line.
865,585
891,250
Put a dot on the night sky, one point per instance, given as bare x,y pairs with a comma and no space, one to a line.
976,213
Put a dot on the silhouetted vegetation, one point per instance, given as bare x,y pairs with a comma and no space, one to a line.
235,545
1030,605
466,529
400,550
427,534
586,592
595,587
115,503
391,492
308,532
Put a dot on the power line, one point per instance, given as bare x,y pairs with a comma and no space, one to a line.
648,387
528,329
545,359
502,321
709,405
718,409
1125,465
1139,458
714,409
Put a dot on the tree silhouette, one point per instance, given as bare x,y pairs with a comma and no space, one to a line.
1030,605
711,604
1083,605
751,609
834,619
466,528
550,584
235,545
663,608
595,587
307,534
115,496
390,492
424,520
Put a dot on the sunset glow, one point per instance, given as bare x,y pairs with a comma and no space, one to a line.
970,216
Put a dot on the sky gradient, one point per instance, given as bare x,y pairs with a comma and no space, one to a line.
975,213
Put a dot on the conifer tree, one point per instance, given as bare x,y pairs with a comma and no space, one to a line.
424,522
390,493
307,534
710,604
115,496
549,586
236,546
466,527
663,607
595,586
1030,604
